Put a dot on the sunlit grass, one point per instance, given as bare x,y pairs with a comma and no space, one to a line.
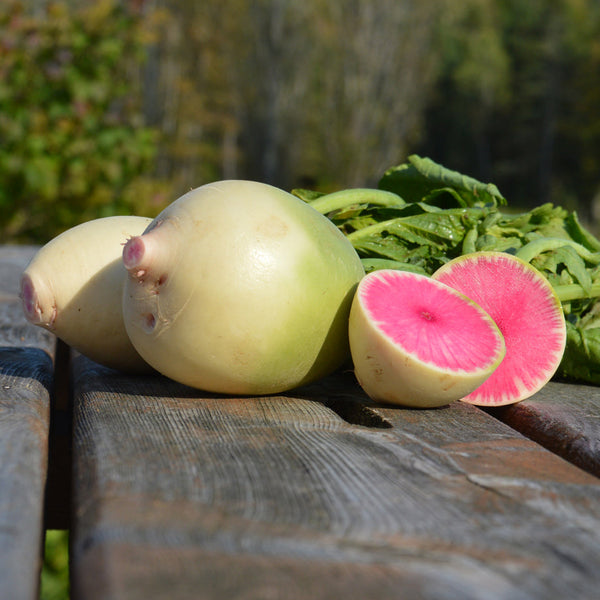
55,570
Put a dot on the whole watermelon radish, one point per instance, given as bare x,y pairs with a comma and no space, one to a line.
238,287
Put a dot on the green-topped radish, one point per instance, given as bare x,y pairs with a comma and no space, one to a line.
73,287
238,287
417,342
527,311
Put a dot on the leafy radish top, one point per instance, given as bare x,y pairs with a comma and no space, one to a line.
422,215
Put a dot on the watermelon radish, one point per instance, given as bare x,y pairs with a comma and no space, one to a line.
238,287
417,342
73,288
527,311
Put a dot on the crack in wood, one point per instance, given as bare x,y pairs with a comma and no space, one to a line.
356,413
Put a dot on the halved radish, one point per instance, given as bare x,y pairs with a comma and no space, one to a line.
417,342
527,311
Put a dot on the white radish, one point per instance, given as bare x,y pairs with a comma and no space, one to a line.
240,288
73,287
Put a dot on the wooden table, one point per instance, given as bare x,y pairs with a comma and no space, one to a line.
169,492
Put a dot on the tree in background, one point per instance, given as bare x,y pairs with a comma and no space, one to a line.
472,84
282,91
376,72
578,130
516,99
96,112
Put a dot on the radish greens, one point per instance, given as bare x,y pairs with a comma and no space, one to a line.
423,215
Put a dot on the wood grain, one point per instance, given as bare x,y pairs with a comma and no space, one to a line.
184,495
562,417
26,380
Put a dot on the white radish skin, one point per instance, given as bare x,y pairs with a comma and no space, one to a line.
240,288
390,374
73,287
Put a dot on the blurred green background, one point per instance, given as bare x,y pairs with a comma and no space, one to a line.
55,570
120,106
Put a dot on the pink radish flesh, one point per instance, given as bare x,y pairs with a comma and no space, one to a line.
437,327
417,342
528,314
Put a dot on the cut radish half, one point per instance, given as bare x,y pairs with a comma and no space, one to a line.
417,342
527,311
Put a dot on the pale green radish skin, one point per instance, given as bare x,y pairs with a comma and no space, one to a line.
238,287
527,311
418,343
73,287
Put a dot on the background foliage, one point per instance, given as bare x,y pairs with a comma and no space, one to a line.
55,571
120,106
516,100
73,140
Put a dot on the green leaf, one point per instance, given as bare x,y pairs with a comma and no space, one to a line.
421,177
433,229
306,195
579,234
356,223
489,242
581,360
445,198
382,247
547,244
374,264
567,258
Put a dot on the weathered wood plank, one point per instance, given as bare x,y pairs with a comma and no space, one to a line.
562,417
182,495
26,373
